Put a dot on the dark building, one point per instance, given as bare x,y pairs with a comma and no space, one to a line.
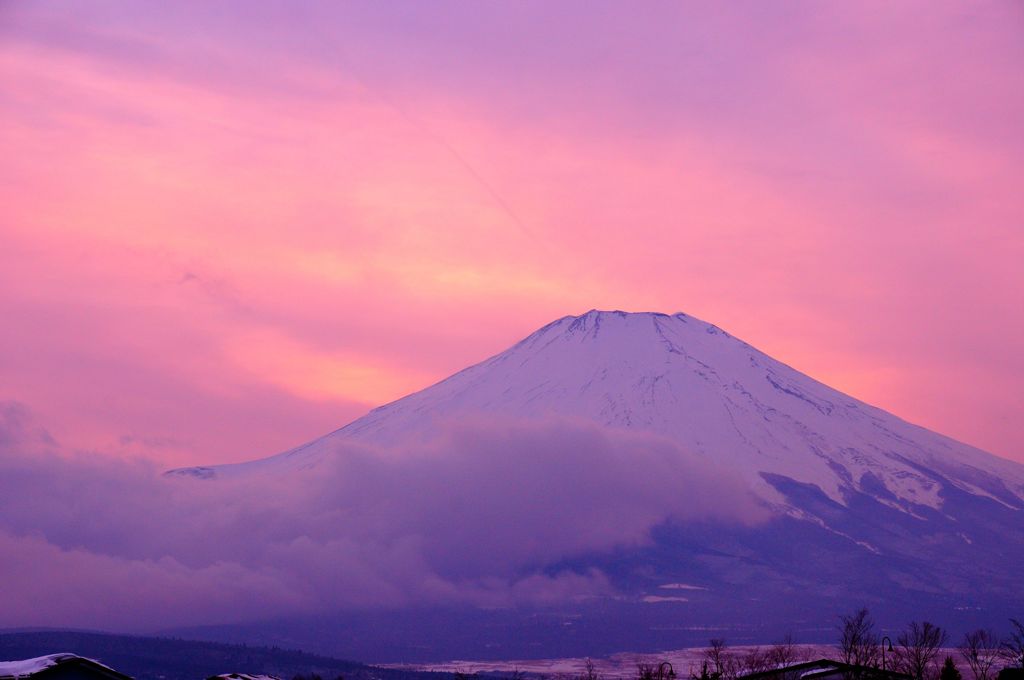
58,667
825,669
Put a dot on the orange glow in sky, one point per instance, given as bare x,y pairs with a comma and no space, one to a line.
222,236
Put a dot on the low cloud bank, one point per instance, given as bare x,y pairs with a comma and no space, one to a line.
477,518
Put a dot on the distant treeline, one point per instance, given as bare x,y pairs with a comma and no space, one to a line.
916,652
919,652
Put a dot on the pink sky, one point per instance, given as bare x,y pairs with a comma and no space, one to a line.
228,229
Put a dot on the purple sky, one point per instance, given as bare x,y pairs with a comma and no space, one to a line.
228,228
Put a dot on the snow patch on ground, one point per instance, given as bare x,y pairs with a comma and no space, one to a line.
27,667
652,599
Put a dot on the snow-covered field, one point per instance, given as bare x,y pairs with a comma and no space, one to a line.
26,667
616,666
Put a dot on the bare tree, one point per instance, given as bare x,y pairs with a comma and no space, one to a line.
705,673
722,663
663,671
754,661
980,649
1013,646
589,671
782,653
918,646
858,642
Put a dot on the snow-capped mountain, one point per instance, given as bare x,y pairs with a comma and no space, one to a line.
865,508
694,383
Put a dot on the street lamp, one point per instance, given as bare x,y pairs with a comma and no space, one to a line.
883,650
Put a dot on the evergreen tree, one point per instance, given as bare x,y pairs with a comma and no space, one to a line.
949,670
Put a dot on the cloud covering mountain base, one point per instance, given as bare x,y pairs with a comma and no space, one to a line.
477,518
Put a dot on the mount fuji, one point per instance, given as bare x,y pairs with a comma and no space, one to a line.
861,507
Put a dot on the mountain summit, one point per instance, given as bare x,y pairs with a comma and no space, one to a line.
863,507
687,380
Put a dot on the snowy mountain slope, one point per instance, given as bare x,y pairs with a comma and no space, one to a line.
863,507
695,384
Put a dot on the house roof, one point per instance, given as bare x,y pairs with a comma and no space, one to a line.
27,668
242,676
809,670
